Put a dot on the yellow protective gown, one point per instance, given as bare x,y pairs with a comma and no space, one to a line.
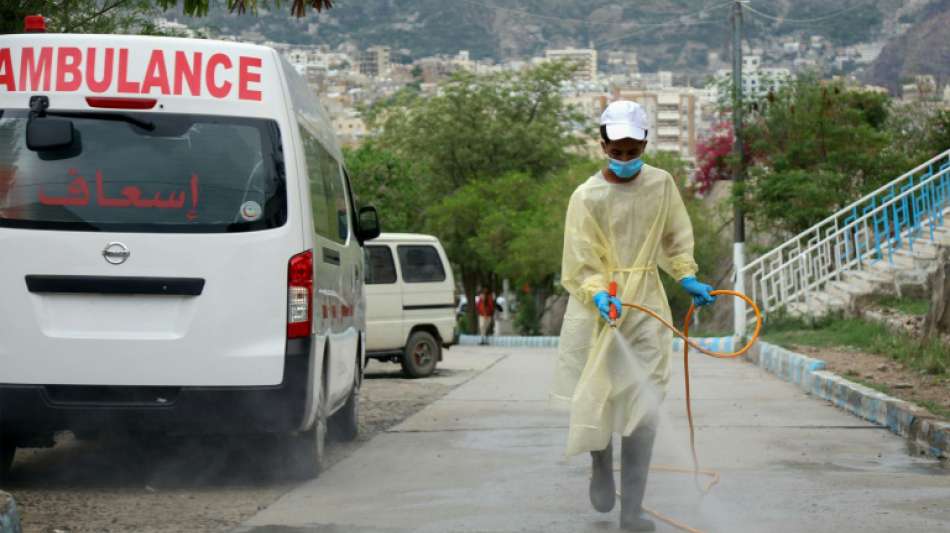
618,232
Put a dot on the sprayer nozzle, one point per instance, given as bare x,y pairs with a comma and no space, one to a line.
614,312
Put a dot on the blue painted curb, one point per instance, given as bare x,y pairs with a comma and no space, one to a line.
900,417
9,519
721,344
510,341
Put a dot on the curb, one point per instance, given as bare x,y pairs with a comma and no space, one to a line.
9,519
722,344
510,341
931,436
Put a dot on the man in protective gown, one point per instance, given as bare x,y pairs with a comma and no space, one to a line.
622,224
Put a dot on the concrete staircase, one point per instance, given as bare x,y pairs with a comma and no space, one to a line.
907,274
886,242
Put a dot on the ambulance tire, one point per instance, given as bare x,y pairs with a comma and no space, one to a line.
421,354
308,448
7,451
345,423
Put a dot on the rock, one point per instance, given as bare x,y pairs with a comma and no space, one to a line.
903,386
9,519
881,368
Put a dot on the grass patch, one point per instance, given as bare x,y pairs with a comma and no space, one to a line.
935,408
908,306
930,405
930,356
869,384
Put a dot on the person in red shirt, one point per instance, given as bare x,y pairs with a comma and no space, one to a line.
485,306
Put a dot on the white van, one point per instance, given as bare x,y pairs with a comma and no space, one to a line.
181,250
410,295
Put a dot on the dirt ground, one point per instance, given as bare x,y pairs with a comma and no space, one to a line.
900,381
184,485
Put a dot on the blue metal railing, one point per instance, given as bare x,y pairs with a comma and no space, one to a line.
870,230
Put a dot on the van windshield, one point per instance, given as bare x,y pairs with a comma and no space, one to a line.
189,173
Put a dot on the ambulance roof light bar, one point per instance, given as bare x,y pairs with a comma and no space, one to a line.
34,24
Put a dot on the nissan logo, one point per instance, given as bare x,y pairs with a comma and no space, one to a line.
116,253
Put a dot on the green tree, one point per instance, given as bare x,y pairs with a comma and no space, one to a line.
82,16
484,143
534,254
391,183
921,129
125,16
814,147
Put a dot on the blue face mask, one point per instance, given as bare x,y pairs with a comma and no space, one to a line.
625,169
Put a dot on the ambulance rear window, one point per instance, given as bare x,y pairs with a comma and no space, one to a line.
187,174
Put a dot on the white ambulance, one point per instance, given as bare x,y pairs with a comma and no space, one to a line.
181,252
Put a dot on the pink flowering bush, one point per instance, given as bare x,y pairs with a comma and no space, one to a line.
712,151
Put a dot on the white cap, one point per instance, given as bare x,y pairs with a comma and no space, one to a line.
625,119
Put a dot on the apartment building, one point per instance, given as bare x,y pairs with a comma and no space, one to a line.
584,58
375,61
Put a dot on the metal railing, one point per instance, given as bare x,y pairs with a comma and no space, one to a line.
868,231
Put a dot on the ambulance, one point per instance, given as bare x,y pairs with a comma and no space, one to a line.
180,249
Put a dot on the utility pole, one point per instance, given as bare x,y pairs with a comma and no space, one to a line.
738,247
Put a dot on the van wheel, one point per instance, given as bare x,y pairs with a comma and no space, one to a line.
308,448
345,423
7,451
421,354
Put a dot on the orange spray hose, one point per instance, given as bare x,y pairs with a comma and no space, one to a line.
687,343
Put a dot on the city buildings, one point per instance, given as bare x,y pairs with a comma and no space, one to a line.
349,79
673,113
920,89
375,61
584,58
757,81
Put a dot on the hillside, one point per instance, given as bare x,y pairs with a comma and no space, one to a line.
924,49
670,34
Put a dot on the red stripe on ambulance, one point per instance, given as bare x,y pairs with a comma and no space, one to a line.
71,69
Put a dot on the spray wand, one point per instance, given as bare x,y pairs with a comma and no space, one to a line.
612,290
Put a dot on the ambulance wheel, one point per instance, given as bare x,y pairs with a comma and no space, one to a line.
421,354
345,423
308,448
7,451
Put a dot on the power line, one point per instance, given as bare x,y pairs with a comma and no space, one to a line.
800,21
682,24
627,25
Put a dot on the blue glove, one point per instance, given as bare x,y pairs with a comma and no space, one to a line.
603,300
699,291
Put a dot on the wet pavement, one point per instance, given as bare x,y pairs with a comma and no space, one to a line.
488,457
172,485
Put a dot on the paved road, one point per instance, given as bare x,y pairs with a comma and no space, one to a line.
200,484
488,457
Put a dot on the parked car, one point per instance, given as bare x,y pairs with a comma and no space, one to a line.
188,254
410,294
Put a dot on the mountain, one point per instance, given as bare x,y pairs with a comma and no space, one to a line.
668,34
924,49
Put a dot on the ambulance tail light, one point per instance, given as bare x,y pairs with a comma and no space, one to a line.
112,102
300,295
34,24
